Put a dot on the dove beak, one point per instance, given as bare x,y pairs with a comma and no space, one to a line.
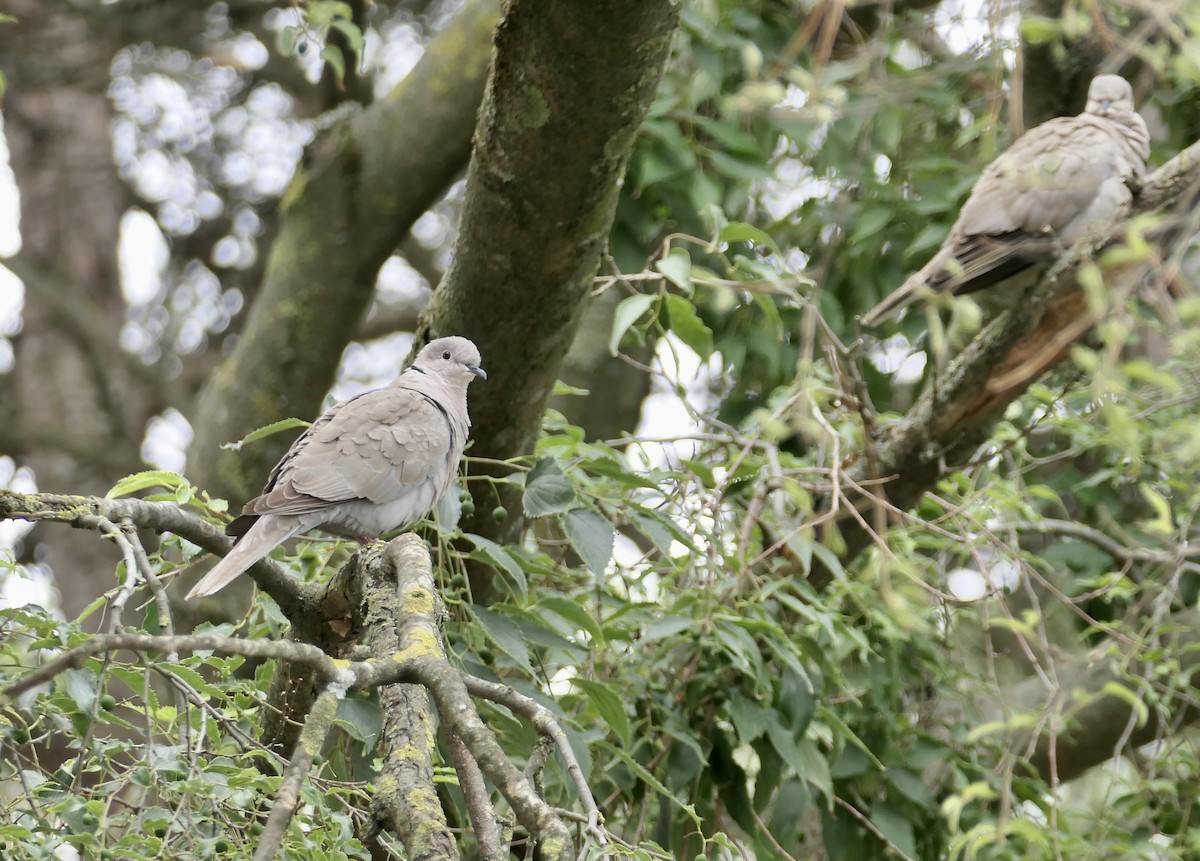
477,371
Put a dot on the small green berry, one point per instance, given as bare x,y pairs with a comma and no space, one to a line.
500,514
108,702
468,507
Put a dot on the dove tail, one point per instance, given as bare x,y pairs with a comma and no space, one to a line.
267,533
899,298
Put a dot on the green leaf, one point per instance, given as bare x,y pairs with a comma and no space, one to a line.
739,231
661,529
608,705
144,480
676,267
504,633
662,628
285,40
501,557
688,326
264,432
896,827
591,536
653,529
575,614
547,490
748,718
354,36
1038,30
80,685
829,560
653,782
361,718
802,756
332,55
870,222
629,310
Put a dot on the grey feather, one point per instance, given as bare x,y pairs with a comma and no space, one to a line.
1048,190
377,462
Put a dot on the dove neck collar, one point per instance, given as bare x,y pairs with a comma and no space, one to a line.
418,369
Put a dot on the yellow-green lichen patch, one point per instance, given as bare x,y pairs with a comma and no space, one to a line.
417,601
421,644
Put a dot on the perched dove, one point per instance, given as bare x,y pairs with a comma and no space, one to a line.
1053,184
376,462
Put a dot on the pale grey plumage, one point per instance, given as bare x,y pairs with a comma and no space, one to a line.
376,462
1053,185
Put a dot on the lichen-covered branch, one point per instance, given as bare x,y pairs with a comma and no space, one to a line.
401,616
81,512
317,726
104,643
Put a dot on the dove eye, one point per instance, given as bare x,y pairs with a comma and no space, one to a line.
446,355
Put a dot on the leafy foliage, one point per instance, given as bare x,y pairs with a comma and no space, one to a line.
660,599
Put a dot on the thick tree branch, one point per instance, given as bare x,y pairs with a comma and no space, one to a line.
569,87
402,619
361,187
1084,723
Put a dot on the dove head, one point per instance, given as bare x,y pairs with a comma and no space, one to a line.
1110,96
453,359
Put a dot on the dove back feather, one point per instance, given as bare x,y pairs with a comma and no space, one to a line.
376,462
1052,186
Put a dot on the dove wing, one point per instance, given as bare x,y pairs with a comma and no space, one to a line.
373,448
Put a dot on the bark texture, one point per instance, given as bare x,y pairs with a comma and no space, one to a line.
569,87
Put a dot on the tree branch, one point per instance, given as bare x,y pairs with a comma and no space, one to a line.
294,600
569,88
361,187
955,414
312,738
1083,722
400,612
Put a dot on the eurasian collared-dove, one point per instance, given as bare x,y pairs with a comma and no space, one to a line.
1044,193
376,462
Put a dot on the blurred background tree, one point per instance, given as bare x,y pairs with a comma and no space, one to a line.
230,213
